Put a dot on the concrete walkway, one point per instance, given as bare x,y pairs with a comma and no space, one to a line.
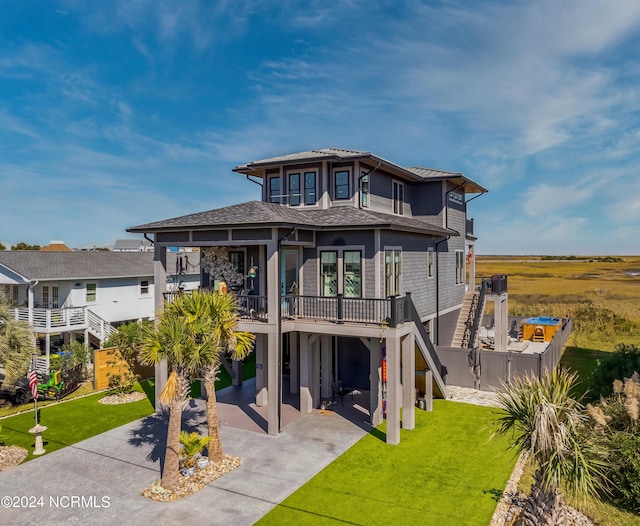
110,471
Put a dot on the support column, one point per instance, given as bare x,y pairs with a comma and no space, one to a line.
375,383
306,372
409,381
236,368
273,379
262,365
428,395
314,349
325,366
501,316
393,390
159,286
294,352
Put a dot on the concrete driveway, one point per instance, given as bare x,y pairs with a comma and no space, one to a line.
98,481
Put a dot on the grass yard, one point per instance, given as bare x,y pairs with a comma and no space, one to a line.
75,420
445,471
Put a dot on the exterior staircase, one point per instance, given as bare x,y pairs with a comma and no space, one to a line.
465,320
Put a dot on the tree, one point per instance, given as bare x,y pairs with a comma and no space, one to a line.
17,343
186,347
3,246
24,246
222,310
548,423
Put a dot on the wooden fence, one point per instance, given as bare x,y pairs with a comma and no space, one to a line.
105,364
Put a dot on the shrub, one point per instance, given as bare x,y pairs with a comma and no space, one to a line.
621,363
616,424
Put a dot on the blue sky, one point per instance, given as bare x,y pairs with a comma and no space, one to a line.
117,113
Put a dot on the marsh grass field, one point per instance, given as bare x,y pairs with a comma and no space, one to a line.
601,294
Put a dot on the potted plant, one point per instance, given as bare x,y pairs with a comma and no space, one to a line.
192,446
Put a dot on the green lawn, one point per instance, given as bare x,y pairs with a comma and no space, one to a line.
445,471
76,420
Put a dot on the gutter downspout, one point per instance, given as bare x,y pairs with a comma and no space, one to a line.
256,182
438,289
279,325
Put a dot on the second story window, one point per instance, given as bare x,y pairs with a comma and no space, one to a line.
429,262
294,189
352,273
364,191
275,195
341,184
392,272
398,198
310,188
329,273
460,268
144,287
91,292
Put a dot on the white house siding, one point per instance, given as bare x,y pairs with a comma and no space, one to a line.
120,300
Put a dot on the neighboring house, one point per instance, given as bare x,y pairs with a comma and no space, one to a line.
68,294
351,265
56,246
132,245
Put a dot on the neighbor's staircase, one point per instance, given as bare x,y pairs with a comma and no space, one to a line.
98,327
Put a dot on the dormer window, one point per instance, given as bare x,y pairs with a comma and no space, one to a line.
275,193
341,189
398,198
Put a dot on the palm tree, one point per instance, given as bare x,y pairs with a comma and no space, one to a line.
222,311
186,348
17,343
548,423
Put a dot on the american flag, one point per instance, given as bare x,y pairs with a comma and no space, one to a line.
33,379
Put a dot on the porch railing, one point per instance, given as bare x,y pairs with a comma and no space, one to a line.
65,319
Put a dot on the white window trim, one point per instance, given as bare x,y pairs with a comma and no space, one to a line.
86,289
340,263
143,294
460,271
384,270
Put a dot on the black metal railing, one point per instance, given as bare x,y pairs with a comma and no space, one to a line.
477,315
411,314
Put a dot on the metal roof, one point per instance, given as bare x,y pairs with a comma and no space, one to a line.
256,214
257,168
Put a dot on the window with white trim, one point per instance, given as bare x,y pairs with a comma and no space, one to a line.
398,198
92,292
352,273
364,191
392,272
460,269
329,273
430,262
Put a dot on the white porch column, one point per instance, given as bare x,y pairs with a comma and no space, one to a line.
314,356
306,374
375,383
261,369
325,366
273,381
393,390
472,268
409,381
293,362
30,303
428,395
501,314
159,286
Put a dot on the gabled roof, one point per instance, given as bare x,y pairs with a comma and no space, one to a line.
256,214
257,168
38,265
